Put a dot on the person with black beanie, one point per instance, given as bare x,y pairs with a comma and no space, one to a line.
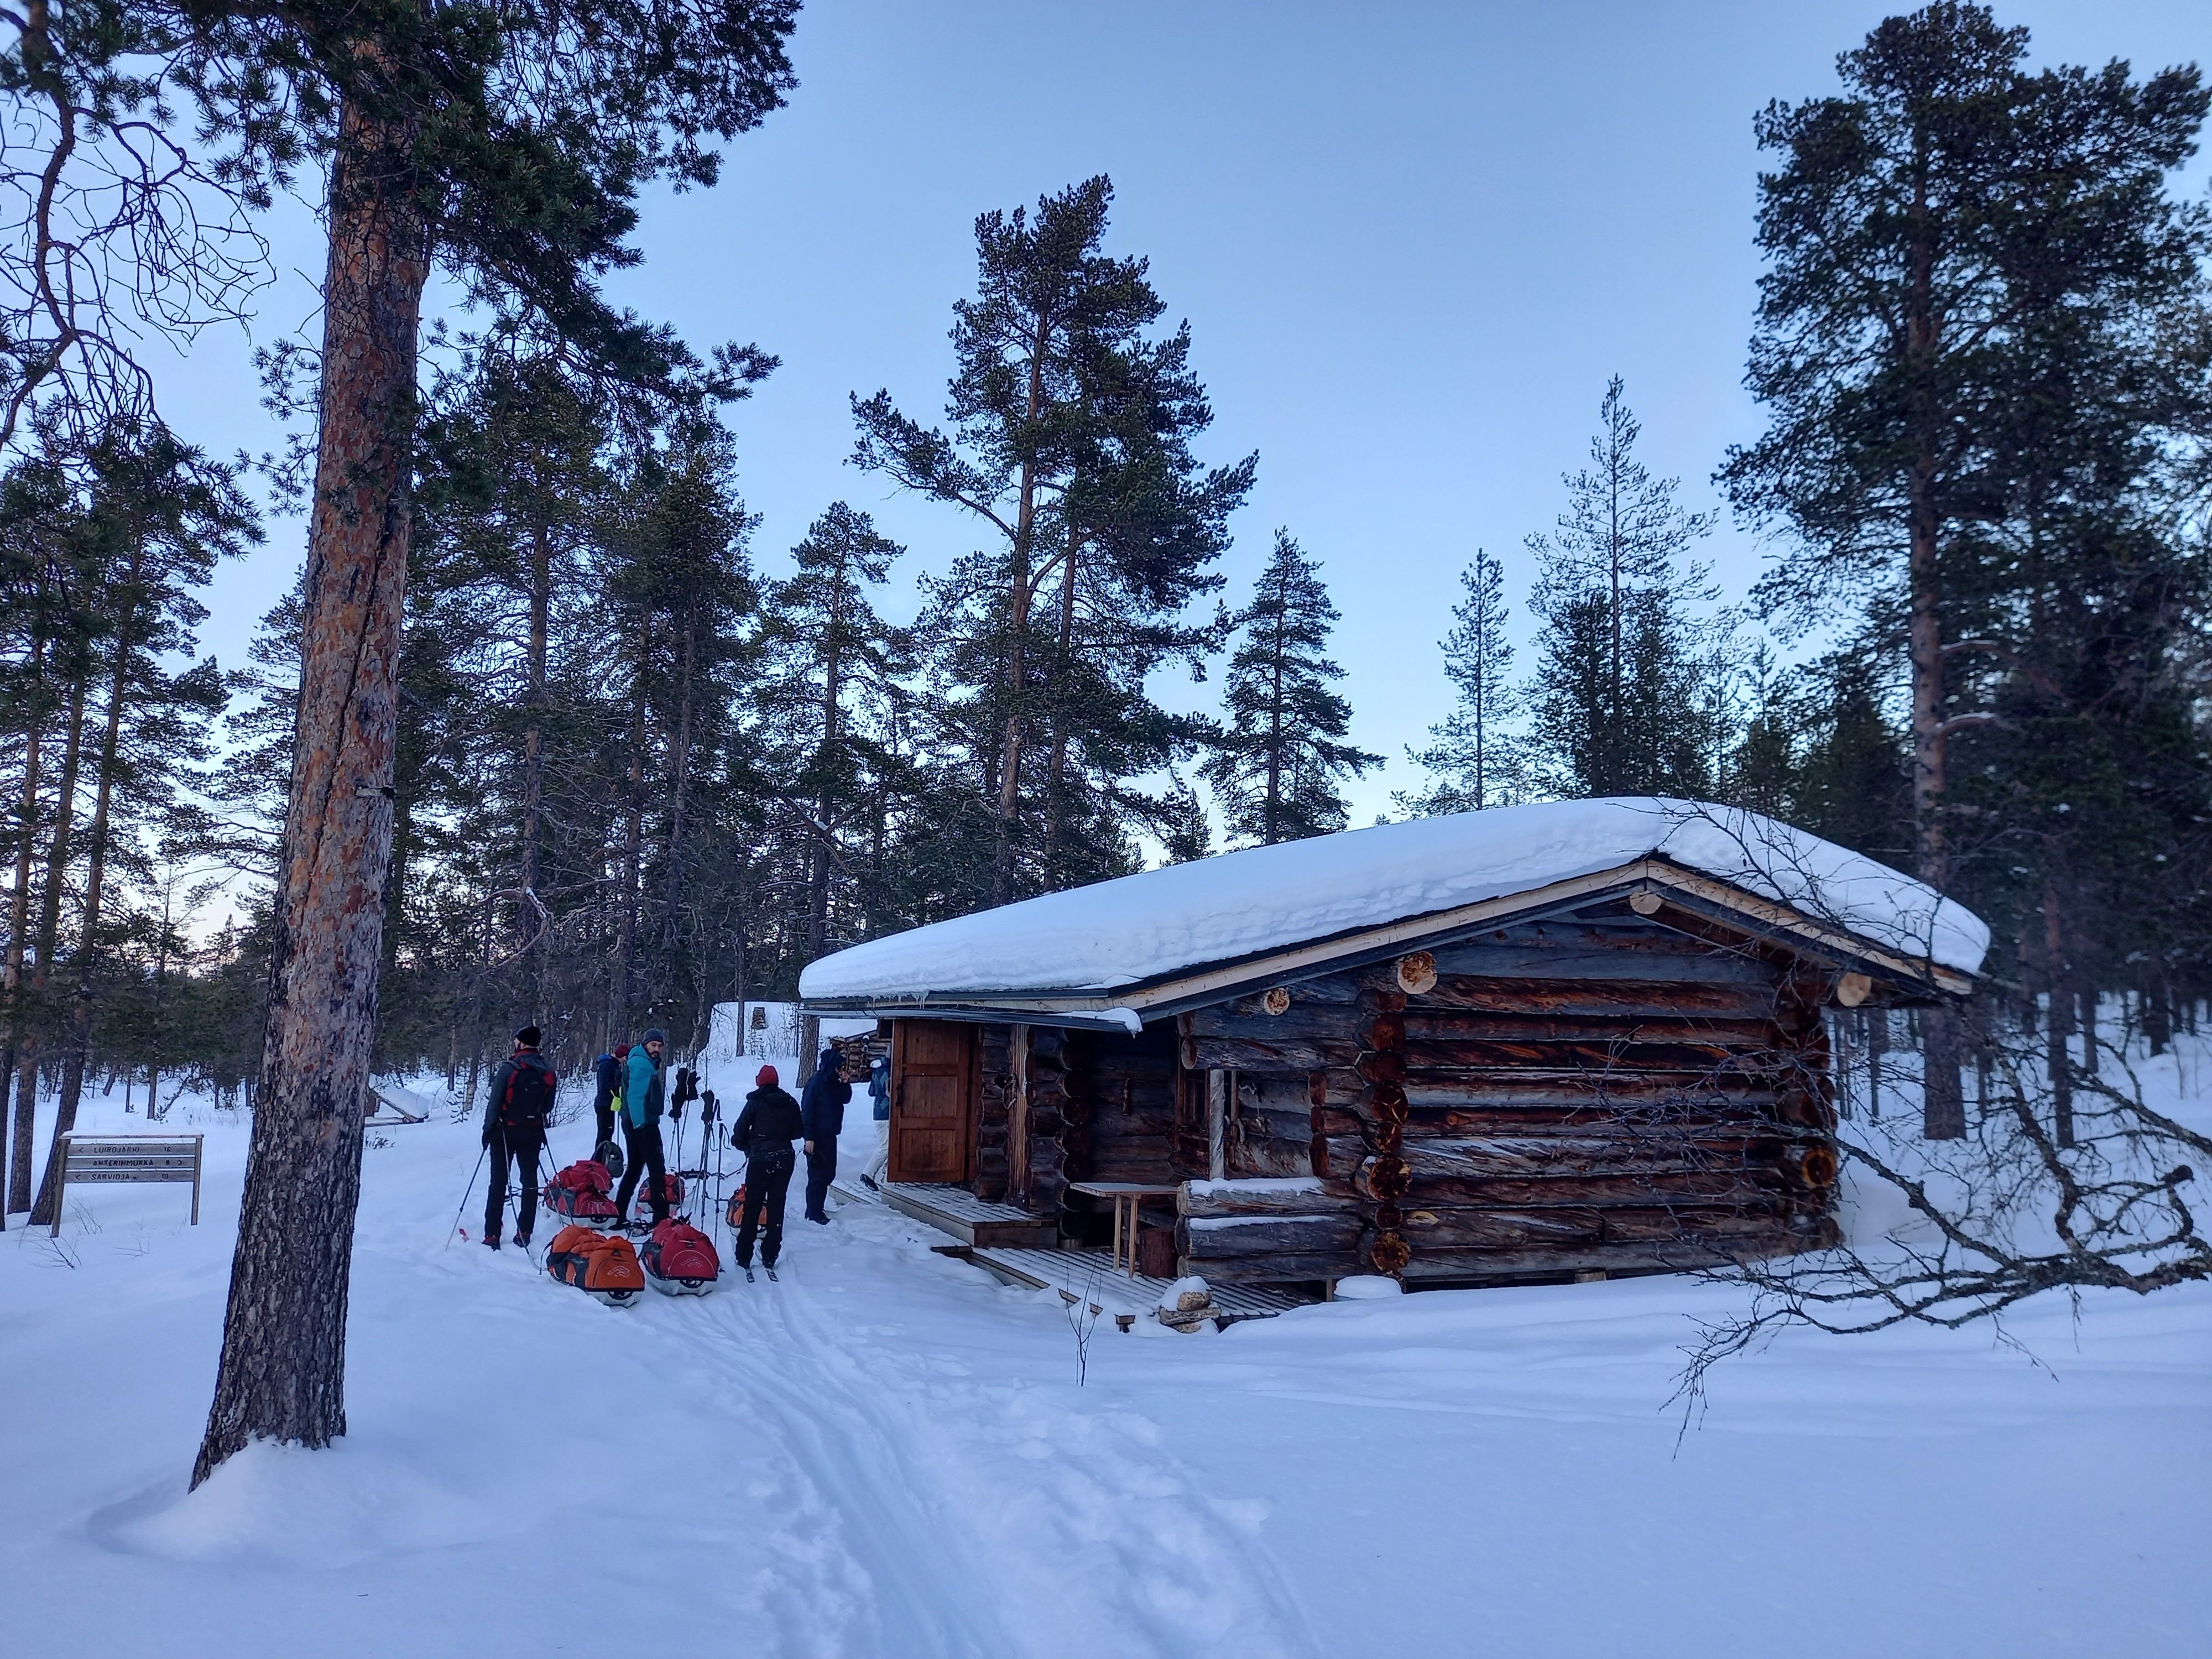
522,1088
763,1133
821,1113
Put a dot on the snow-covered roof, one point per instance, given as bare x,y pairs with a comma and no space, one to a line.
1160,924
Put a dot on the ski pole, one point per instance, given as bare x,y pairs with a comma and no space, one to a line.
466,1191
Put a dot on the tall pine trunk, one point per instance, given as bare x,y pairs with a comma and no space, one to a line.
1943,1102
533,763
1021,594
26,835
283,1371
95,886
50,918
633,849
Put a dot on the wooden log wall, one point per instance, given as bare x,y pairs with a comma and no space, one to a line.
1609,1096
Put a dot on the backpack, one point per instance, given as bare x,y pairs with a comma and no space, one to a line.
529,1094
680,1260
603,1266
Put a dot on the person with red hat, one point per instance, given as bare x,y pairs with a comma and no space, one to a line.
763,1133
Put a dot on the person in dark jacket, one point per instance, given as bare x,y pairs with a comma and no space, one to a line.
642,1099
763,1131
607,1091
821,1113
522,1087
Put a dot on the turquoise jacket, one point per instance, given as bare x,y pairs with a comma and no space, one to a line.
642,1090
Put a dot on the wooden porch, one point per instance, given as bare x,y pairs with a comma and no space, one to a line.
1021,1249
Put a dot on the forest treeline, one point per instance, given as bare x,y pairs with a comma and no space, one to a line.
637,776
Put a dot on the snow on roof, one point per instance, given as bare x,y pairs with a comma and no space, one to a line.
1183,916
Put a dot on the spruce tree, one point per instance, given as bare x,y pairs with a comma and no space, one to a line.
1474,756
1618,700
1280,756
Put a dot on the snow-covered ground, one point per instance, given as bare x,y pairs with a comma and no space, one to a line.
888,1454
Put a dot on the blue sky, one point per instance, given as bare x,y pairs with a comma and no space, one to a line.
1412,242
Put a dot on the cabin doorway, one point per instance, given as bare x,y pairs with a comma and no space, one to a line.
932,1086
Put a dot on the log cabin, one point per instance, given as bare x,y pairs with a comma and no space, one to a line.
1539,1042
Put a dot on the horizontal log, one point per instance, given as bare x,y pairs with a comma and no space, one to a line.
1486,1229
1344,1156
1737,1187
1535,1085
1200,1239
1632,1056
1750,1035
1601,1122
1290,1054
1216,1198
1282,1269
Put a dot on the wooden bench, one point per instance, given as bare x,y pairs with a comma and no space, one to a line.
88,1158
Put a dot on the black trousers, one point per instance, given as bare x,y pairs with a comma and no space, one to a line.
644,1155
520,1148
766,1189
821,1170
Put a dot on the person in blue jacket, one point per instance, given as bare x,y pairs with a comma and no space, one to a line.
642,1099
822,1115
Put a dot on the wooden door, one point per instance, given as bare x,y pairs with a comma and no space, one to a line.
932,1083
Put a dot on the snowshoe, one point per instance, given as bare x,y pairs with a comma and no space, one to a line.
603,1266
679,1259
578,1194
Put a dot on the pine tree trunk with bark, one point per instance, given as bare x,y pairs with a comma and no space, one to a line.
79,1039
283,1371
50,918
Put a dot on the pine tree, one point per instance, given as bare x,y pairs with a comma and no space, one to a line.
511,149
1071,428
1618,701
1476,759
831,692
1914,229
1280,756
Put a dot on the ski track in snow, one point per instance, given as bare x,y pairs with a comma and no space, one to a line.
1037,1515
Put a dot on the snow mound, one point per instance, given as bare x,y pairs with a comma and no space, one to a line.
1368,1287
1184,917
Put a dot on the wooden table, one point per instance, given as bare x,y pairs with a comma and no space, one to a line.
1131,1192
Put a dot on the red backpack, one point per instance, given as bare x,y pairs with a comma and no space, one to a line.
580,1193
672,1192
680,1260
528,1096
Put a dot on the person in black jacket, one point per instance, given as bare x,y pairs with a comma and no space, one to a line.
522,1087
821,1112
763,1133
608,1089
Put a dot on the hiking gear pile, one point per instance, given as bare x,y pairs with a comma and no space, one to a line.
679,1259
578,1193
603,1266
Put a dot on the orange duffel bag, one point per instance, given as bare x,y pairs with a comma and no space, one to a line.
601,1265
